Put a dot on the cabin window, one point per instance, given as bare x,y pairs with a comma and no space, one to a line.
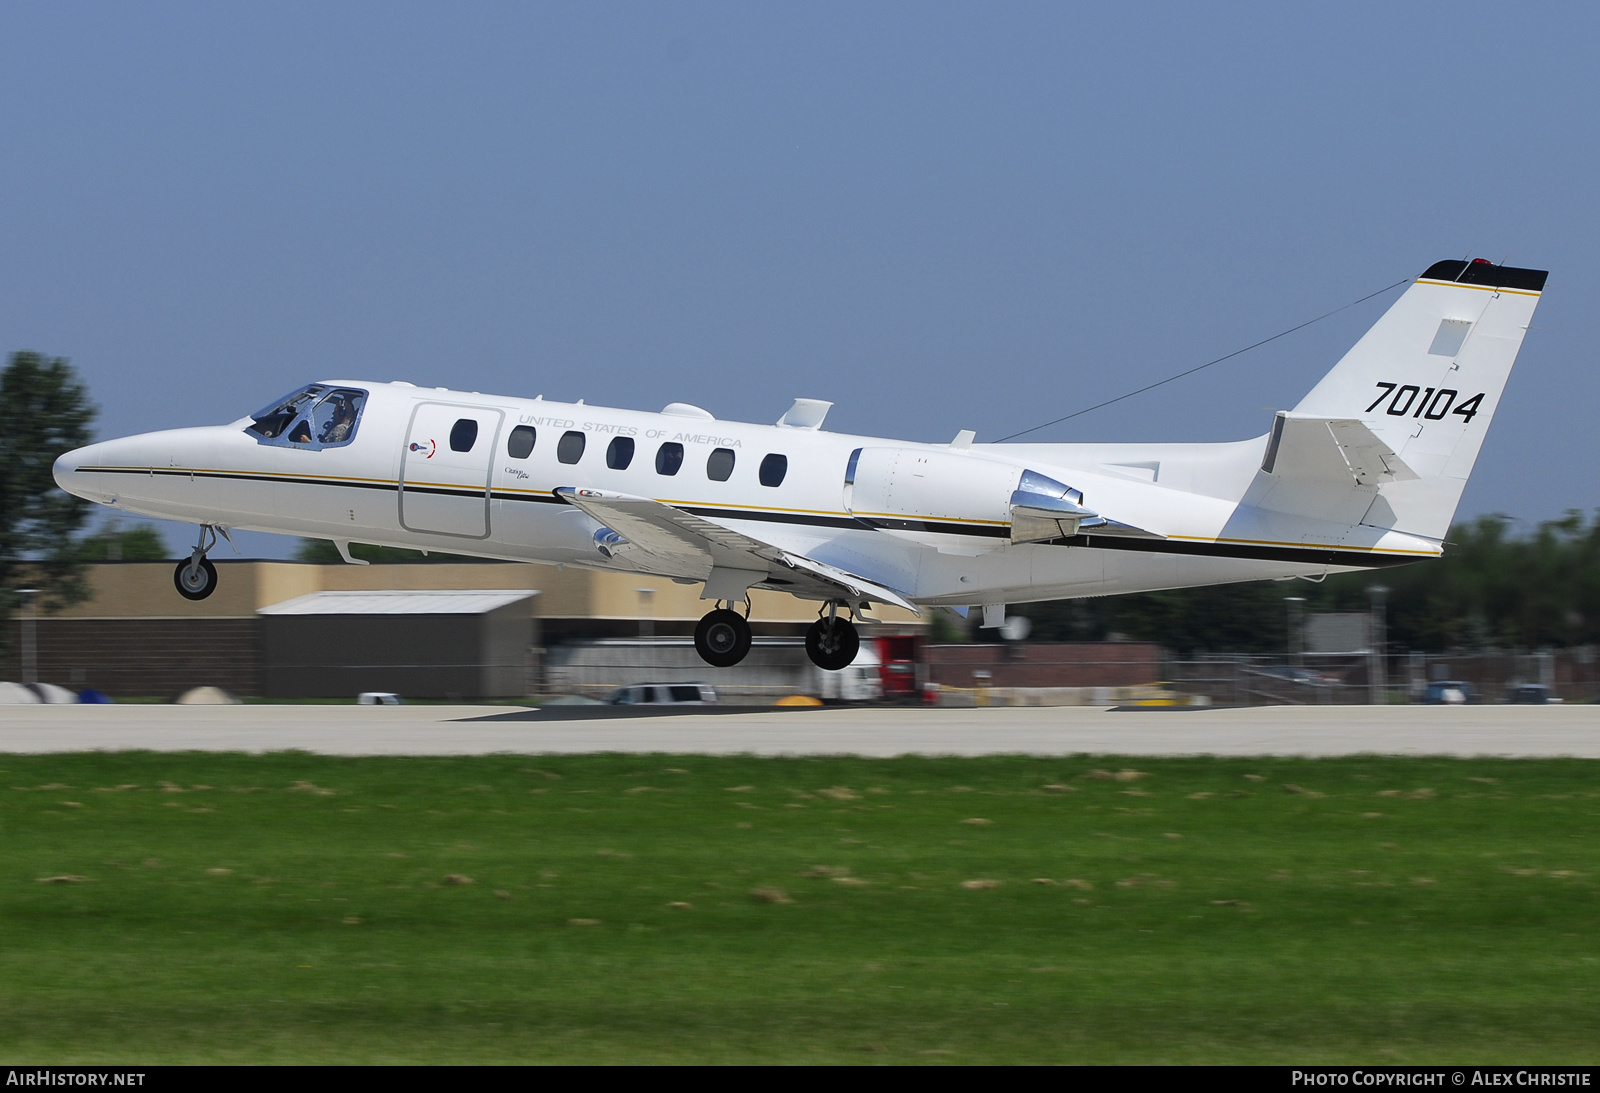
520,446
463,435
620,453
669,457
314,417
569,449
719,465
773,468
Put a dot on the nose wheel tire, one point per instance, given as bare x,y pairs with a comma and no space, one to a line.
722,638
195,578
832,644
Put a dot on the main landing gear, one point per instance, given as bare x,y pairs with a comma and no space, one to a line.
832,642
195,577
722,637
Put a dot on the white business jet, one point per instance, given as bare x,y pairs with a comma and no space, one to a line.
1365,472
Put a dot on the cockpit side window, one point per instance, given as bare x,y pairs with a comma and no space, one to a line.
312,418
334,420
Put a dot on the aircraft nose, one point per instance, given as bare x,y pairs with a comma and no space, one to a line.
123,471
70,475
66,466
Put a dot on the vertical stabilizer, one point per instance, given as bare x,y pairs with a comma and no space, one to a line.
1426,380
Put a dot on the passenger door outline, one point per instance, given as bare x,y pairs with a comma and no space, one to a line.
437,501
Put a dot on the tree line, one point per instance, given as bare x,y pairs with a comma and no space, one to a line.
1494,589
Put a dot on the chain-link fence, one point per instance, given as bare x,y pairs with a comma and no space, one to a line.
1567,675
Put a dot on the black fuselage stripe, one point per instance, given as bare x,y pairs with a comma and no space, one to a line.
803,518
1306,555
1312,555
536,498
297,480
159,472
940,527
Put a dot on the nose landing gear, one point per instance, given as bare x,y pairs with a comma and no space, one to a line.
722,637
196,578
832,642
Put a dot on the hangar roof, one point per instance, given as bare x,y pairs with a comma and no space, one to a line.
425,601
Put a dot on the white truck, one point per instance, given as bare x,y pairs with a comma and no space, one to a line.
861,681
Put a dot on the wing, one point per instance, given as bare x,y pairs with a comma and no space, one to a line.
657,538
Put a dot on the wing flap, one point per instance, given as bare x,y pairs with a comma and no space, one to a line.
859,587
681,543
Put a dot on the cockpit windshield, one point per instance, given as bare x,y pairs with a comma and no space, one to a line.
271,422
314,417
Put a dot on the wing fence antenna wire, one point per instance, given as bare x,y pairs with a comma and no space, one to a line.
1208,364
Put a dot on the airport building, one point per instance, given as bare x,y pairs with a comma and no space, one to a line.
424,630
479,630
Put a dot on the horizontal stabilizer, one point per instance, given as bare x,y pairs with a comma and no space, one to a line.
1334,450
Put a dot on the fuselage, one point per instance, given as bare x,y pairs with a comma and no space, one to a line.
1367,470
934,523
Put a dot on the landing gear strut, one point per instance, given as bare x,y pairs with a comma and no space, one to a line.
722,638
832,642
195,577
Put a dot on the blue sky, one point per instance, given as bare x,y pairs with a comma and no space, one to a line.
938,216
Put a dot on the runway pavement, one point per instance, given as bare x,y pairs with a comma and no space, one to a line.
477,730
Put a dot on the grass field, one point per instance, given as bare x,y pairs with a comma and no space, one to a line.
288,908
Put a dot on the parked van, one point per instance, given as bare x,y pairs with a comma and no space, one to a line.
664,694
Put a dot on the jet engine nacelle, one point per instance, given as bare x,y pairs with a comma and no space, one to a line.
923,490
898,487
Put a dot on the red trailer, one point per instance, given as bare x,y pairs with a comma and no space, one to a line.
897,656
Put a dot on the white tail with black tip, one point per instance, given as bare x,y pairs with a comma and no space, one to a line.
1389,436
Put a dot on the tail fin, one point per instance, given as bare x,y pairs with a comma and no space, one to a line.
1425,380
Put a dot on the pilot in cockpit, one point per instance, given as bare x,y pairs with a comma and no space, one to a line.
337,431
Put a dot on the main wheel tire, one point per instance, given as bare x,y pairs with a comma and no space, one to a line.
722,638
195,582
835,649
